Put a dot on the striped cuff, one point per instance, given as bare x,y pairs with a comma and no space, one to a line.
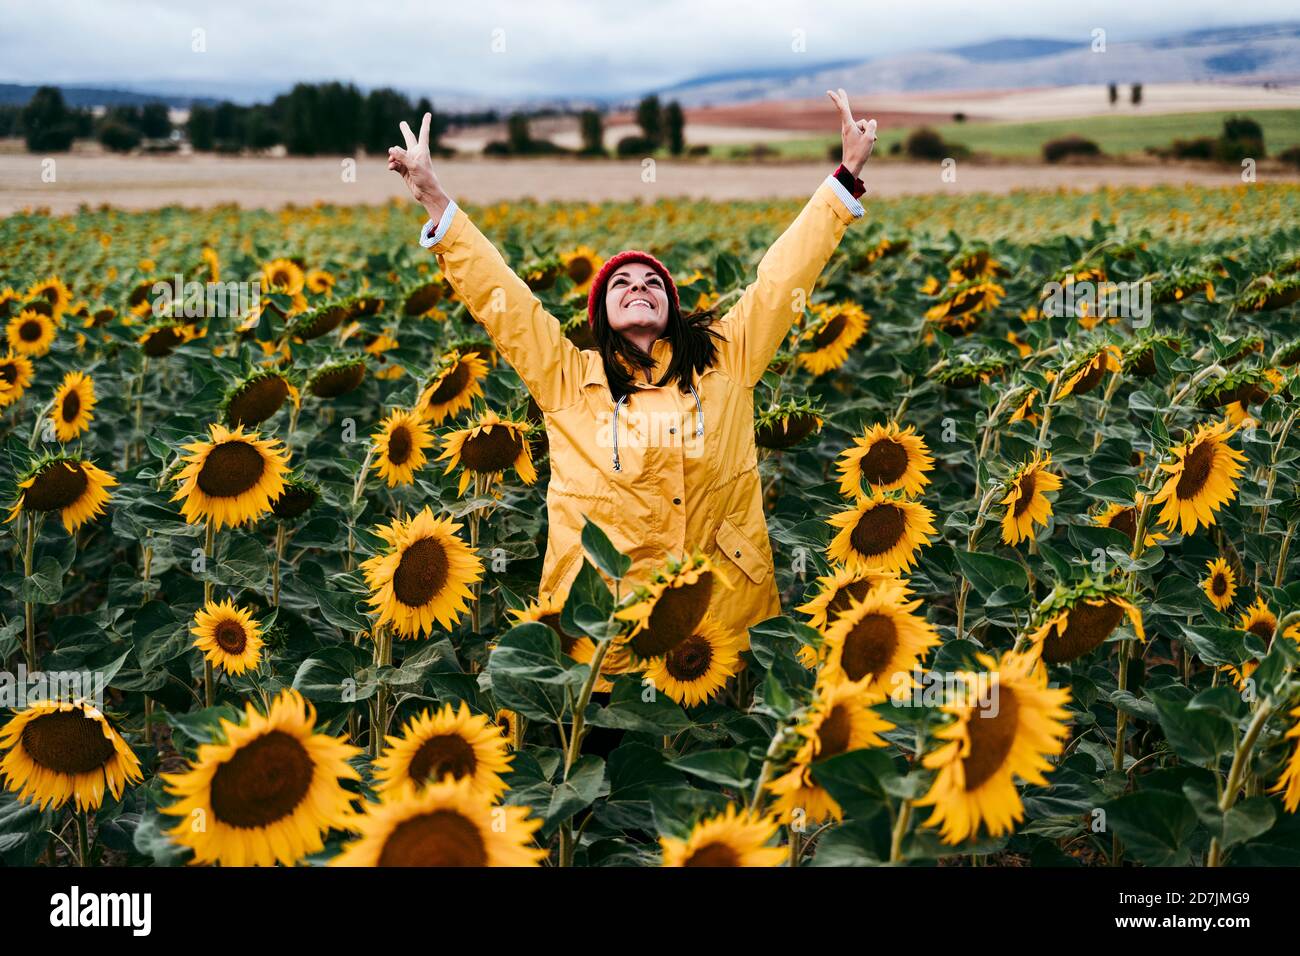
448,214
846,197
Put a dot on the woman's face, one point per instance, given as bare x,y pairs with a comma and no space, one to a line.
636,300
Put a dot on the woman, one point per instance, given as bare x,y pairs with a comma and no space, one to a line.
652,433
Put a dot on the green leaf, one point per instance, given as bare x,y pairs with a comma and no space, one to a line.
1120,489
158,636
987,573
338,674
1199,736
341,609
629,710
602,552
531,652
727,768
45,586
1154,826
585,778
859,780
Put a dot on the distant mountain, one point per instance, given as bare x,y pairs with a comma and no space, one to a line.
1268,52
1020,48
15,94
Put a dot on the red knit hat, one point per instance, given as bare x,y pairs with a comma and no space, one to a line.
623,258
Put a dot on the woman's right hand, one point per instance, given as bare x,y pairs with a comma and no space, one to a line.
416,167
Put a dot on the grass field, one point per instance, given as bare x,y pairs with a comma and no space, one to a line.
1116,135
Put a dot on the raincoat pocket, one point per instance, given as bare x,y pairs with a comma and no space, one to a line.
742,552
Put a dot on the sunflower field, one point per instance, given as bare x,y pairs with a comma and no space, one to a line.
271,569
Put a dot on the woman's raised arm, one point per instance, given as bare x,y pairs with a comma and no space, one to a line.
757,324
528,336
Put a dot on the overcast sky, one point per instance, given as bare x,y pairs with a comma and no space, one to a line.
551,47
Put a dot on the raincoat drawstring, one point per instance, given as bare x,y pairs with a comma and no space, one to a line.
699,414
617,465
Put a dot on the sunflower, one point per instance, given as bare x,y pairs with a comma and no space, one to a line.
960,309
1027,505
423,298
266,791
1220,583
56,751
886,458
581,265
879,640
970,370
74,487
509,726
30,333
453,387
231,478
256,397
988,744
839,720
1124,518
450,743
285,277
1025,410
1289,783
836,590
228,636
1085,374
299,496
671,607
53,293
786,424
1078,620
337,378
376,347
424,576
16,373
731,838
837,328
548,609
1259,620
167,336
400,446
487,448
74,404
697,669
882,531
1201,479
443,824
320,321
319,281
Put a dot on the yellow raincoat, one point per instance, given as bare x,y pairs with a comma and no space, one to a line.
673,490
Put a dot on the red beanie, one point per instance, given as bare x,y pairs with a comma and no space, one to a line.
623,258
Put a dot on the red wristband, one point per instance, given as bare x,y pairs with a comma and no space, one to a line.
850,182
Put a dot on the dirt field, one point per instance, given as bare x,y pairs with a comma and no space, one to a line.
148,182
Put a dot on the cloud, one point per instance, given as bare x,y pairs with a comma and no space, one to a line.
517,49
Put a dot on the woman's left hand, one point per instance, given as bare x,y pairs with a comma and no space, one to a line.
856,136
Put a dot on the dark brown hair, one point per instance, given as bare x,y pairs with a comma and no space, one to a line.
693,339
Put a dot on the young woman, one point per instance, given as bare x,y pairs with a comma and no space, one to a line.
651,433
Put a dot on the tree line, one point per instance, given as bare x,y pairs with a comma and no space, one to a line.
318,119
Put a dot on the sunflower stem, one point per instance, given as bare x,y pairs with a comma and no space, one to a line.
29,609
209,546
1272,468
900,831
83,839
1240,760
275,568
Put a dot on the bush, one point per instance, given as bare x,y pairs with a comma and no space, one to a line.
1290,156
118,137
497,147
1242,128
1204,147
1235,150
1058,149
925,143
635,146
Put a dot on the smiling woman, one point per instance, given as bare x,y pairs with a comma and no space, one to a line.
651,433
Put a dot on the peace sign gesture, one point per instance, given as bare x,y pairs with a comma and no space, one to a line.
856,136
416,168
